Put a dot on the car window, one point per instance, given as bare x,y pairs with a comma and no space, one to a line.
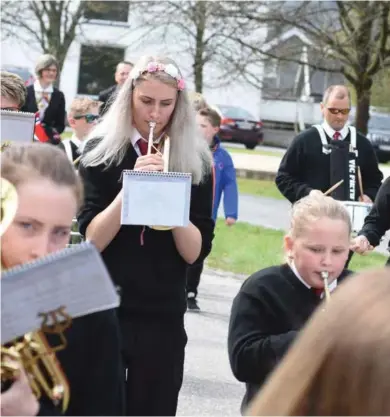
380,122
235,112
23,73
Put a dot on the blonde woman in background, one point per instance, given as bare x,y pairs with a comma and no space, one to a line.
148,265
340,364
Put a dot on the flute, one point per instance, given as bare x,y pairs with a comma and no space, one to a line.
325,276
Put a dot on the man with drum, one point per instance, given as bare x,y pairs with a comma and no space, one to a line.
332,157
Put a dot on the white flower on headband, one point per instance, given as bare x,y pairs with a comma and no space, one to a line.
169,69
172,71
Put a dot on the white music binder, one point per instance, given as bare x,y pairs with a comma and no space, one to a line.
17,126
75,278
156,198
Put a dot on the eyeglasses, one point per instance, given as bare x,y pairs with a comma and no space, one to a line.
337,111
89,118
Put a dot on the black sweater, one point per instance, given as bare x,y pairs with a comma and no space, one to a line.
305,167
151,276
377,223
267,313
93,366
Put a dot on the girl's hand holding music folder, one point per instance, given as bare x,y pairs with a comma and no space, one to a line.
152,162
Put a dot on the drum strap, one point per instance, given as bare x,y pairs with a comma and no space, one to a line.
339,159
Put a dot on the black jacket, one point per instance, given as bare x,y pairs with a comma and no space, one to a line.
266,316
377,223
305,167
107,97
55,113
144,262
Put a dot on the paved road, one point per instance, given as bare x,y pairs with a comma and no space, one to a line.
209,388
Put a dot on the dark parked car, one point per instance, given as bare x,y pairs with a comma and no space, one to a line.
239,126
23,73
379,134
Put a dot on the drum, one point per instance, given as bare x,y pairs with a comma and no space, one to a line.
357,212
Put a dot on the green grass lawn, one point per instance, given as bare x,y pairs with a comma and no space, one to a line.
244,249
261,188
66,135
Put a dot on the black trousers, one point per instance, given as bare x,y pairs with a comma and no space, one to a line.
194,273
153,353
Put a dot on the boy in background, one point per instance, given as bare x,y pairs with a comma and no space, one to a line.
82,116
225,182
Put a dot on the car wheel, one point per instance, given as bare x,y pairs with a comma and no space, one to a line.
250,146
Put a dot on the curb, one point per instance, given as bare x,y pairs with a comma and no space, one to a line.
224,274
257,175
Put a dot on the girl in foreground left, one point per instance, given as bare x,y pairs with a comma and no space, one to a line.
49,194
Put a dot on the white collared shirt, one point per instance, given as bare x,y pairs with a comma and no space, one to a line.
330,131
135,136
332,285
39,89
79,143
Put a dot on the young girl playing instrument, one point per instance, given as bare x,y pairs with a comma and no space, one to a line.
148,265
49,194
274,303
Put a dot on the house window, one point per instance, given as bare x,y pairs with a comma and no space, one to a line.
97,68
271,68
115,11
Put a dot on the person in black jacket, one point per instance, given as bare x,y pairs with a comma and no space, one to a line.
315,162
376,224
148,265
49,193
121,74
274,303
43,98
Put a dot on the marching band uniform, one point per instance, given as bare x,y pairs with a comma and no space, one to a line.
271,307
73,147
377,223
319,157
151,273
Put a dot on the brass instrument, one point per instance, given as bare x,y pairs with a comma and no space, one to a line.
165,156
32,351
325,276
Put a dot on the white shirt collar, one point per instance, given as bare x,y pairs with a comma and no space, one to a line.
330,131
39,89
332,285
76,141
135,136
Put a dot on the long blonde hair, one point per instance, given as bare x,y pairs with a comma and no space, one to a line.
189,151
340,363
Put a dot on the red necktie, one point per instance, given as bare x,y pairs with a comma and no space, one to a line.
317,291
337,135
143,146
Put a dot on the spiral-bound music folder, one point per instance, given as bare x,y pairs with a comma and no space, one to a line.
75,278
156,198
17,126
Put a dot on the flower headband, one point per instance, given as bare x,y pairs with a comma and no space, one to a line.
169,69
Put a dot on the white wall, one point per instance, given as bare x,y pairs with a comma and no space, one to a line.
235,93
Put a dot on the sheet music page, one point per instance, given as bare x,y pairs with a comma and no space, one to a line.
79,282
156,201
16,128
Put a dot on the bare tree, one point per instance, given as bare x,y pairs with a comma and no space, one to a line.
352,38
204,36
51,24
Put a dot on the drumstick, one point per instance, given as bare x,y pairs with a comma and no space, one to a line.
360,183
333,187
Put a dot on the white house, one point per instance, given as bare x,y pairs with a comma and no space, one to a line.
118,38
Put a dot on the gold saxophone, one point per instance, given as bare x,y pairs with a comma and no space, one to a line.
32,351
